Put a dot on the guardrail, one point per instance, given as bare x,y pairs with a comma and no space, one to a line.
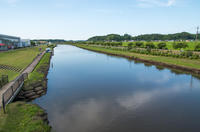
9,95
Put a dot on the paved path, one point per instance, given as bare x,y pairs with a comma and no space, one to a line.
28,70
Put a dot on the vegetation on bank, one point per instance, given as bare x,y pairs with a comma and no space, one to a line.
23,117
145,37
164,45
39,73
180,49
19,58
168,60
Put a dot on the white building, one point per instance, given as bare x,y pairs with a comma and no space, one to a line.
24,43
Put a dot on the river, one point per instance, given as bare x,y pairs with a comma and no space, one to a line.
94,92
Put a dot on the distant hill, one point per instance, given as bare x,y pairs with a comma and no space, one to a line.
51,40
146,37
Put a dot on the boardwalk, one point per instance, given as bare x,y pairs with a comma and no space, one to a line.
28,70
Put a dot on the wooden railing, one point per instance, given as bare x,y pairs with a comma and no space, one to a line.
9,95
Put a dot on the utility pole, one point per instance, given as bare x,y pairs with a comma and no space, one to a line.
197,33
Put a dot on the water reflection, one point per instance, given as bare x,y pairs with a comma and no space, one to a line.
92,92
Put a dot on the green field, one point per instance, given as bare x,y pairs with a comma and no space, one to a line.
22,117
169,60
19,58
191,45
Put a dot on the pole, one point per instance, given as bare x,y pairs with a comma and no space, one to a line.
197,33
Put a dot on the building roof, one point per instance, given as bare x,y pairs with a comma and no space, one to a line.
7,36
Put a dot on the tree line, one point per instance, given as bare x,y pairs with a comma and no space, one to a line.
146,37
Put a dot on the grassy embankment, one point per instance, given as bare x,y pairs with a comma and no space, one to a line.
169,45
39,73
22,117
19,58
168,60
38,76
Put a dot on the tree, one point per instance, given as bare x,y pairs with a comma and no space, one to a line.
130,45
161,45
179,45
139,44
33,43
197,47
150,45
127,37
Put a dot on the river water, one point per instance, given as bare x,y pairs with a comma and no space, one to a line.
94,92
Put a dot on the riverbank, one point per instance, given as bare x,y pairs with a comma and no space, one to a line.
23,117
36,84
14,61
186,65
34,87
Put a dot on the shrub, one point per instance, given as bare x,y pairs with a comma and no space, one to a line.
161,45
179,45
194,56
197,47
130,45
139,44
186,53
150,45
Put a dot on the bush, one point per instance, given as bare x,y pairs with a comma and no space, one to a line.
179,45
161,45
194,56
197,47
139,44
186,53
130,45
150,45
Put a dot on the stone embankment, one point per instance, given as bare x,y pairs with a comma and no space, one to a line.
33,89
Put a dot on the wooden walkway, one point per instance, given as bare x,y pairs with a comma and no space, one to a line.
28,70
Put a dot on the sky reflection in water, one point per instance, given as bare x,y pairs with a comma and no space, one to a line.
93,92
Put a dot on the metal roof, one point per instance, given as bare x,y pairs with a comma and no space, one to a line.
7,36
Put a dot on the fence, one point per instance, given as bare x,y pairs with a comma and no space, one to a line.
13,90
3,80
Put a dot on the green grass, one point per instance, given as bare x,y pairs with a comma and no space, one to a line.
22,117
37,73
12,75
169,60
19,58
191,45
37,76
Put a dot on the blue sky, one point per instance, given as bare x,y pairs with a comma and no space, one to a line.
81,19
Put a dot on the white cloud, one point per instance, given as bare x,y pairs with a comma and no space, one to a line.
158,3
11,2
171,2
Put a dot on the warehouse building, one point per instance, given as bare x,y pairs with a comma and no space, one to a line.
11,42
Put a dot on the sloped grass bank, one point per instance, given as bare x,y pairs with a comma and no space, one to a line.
36,84
187,65
23,117
19,58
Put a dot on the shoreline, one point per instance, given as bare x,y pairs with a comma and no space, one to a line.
34,87
171,66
